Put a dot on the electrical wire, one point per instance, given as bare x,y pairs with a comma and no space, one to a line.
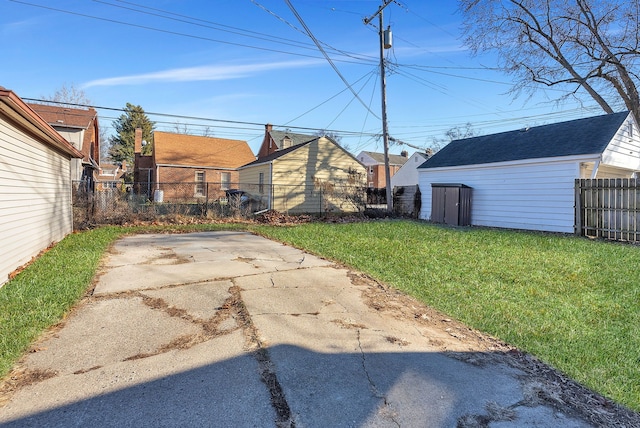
310,34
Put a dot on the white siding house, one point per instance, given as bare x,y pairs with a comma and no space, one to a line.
407,175
35,184
525,179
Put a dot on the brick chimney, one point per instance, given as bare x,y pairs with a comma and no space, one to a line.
137,148
267,147
404,154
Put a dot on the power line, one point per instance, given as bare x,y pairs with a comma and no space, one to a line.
310,34
159,30
207,119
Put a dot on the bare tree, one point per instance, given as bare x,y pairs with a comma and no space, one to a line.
455,133
70,95
590,45
183,128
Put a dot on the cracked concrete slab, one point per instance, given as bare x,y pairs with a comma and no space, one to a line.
231,329
208,385
211,296
105,332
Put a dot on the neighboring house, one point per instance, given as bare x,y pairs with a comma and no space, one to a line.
374,162
314,176
110,176
80,128
525,179
278,140
406,194
35,185
407,174
189,166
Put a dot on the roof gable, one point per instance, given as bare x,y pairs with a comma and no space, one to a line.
14,108
279,153
292,138
572,138
197,151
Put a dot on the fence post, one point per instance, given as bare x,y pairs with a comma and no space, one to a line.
578,208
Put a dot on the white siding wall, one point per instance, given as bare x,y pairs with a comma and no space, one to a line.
538,196
35,198
407,175
624,149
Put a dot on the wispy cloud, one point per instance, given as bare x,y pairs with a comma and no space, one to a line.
192,74
18,27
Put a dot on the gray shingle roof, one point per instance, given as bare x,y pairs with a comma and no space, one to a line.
393,159
279,153
575,137
295,138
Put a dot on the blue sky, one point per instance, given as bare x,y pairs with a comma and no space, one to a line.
244,63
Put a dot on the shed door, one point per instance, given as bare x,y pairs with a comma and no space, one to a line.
437,204
451,205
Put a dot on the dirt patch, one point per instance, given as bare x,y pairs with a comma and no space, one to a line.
19,378
87,370
457,338
167,257
349,324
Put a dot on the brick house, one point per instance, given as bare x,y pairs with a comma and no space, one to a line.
274,141
374,162
188,166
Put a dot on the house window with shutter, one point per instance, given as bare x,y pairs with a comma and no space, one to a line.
225,180
199,187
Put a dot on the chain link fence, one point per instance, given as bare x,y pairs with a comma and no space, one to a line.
118,203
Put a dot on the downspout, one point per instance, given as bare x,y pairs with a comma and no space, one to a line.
270,184
596,165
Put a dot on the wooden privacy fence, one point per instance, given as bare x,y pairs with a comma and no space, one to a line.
608,208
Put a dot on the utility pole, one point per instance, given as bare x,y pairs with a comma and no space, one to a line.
383,90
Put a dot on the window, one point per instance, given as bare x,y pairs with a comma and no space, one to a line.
225,180
199,187
261,183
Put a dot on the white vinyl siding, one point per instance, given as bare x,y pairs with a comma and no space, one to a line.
35,198
624,149
534,196
407,175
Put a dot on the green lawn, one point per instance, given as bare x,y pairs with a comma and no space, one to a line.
570,301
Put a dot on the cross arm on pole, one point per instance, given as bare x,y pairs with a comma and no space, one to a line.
369,19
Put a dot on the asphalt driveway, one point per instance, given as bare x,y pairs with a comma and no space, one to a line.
231,329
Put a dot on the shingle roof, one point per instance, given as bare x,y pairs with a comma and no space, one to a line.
65,116
192,150
295,138
393,159
575,137
279,153
15,104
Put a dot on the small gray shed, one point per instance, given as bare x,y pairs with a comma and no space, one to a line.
451,204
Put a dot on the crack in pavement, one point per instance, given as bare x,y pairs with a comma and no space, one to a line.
284,418
374,389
